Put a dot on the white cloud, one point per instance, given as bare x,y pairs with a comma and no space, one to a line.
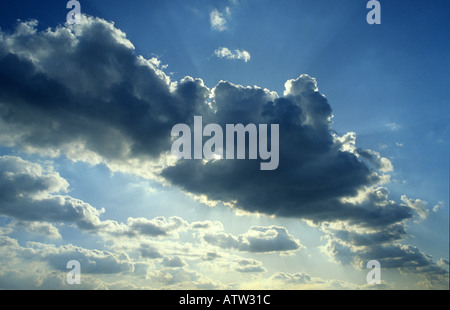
224,52
149,251
438,206
43,266
374,158
418,205
173,262
217,20
182,278
29,192
210,226
140,228
128,127
248,265
257,240
393,126
355,246
40,228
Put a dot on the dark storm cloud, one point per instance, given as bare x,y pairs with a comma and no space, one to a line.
58,88
84,93
313,174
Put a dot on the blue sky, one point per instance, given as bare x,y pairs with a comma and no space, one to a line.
85,112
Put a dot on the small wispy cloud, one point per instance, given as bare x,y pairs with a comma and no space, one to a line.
439,206
217,20
393,126
224,52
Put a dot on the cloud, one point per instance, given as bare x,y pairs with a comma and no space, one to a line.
256,240
224,52
157,227
302,280
443,263
103,103
37,265
393,126
297,278
316,171
210,256
119,110
372,238
217,20
418,205
210,226
182,278
122,97
28,192
135,261
438,206
40,228
92,261
381,163
22,178
149,251
173,262
249,265
352,246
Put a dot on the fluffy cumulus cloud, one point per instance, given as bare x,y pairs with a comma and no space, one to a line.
349,245
218,20
45,265
30,193
256,240
173,262
143,227
85,94
39,228
119,109
143,264
138,249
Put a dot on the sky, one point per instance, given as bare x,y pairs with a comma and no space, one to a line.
87,172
